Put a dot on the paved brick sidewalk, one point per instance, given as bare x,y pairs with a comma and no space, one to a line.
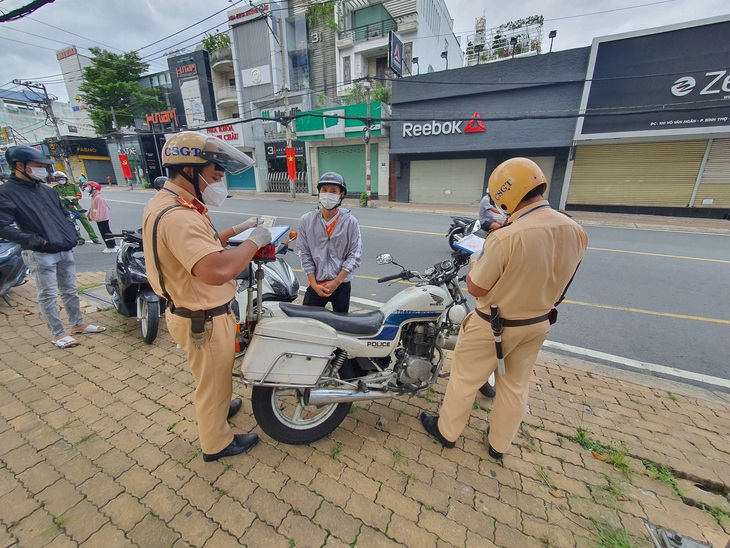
98,448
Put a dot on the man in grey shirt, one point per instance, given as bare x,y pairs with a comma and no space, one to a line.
330,246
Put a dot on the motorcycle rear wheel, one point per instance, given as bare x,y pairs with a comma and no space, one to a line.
150,320
455,237
281,413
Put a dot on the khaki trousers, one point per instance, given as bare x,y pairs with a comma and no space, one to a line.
212,367
475,358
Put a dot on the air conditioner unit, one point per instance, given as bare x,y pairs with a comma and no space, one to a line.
314,38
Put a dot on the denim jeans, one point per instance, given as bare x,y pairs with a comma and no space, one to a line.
54,273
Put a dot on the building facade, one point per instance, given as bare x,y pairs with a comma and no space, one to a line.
448,134
72,65
654,135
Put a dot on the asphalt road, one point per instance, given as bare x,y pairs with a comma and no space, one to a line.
652,296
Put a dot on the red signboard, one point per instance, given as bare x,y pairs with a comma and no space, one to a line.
126,170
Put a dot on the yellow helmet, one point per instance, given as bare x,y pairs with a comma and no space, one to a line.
512,180
190,148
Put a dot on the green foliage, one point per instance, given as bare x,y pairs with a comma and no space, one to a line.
213,42
381,94
665,475
322,14
364,199
610,536
111,82
359,94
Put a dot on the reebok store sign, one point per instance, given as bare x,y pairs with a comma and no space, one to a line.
475,125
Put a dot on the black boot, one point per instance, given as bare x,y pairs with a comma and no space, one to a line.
430,424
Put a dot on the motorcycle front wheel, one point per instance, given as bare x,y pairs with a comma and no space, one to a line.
455,237
149,314
282,414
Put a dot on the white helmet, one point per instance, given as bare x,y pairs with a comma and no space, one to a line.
59,175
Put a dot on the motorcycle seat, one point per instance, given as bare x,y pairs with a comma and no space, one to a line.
368,323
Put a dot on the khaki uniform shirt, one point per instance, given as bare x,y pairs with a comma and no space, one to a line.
184,236
526,265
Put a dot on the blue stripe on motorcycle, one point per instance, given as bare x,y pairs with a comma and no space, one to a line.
398,319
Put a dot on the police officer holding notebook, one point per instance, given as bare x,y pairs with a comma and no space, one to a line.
188,264
523,272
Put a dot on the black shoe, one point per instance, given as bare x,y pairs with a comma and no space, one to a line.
240,444
496,455
235,407
430,424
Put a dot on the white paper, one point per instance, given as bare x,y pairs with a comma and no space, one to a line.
276,233
471,243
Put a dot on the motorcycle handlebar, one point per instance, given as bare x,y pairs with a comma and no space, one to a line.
391,277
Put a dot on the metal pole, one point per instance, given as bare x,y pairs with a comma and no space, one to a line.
367,147
285,92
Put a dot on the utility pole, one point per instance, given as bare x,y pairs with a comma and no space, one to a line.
367,144
48,109
285,92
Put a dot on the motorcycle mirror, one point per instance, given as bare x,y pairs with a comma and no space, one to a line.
293,235
385,258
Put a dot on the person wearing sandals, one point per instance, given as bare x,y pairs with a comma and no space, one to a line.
32,215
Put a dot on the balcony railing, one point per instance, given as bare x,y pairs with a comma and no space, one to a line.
372,31
222,56
226,95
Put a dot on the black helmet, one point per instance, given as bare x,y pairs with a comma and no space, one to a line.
160,182
25,153
332,178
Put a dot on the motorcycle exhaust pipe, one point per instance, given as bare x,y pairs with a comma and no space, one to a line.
327,396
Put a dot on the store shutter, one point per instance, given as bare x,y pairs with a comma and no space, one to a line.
349,161
714,190
447,181
98,170
642,174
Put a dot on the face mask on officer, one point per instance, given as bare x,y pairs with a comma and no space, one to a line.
215,193
328,200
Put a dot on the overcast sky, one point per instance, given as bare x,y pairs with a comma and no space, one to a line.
28,45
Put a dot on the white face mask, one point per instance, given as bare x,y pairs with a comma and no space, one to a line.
38,173
328,200
214,194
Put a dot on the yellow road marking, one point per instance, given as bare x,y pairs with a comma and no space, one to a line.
659,255
650,312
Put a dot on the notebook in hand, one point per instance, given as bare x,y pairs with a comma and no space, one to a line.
276,234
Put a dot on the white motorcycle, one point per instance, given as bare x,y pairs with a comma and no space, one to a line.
308,367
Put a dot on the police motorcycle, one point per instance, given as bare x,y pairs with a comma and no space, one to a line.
132,295
279,284
308,365
461,227
12,268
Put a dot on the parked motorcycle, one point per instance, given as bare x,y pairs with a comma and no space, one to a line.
12,268
463,226
132,295
308,368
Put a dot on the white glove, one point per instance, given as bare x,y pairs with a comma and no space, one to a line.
250,223
260,236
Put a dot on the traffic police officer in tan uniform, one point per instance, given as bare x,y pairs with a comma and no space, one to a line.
187,263
524,269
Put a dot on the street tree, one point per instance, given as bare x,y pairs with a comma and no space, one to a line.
111,90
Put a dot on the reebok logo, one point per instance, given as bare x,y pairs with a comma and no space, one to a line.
475,125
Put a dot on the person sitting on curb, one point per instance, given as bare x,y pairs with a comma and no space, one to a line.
32,215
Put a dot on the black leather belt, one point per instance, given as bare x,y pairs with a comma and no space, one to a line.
515,323
207,314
